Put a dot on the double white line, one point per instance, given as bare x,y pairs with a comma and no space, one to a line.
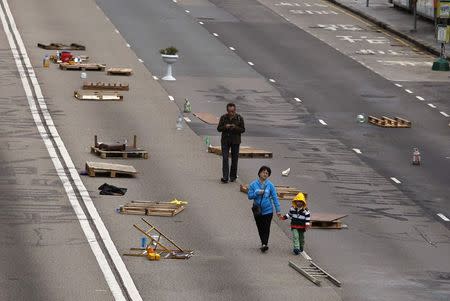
55,145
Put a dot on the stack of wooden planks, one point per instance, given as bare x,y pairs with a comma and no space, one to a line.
151,208
244,152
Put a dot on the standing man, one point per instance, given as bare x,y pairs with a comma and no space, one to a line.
231,125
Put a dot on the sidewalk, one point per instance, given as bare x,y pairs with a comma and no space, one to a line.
396,20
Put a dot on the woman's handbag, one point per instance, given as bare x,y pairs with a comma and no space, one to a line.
256,209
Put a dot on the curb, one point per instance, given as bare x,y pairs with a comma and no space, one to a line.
419,43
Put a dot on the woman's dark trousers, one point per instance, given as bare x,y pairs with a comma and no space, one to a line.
263,224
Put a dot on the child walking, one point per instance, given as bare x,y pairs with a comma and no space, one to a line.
300,221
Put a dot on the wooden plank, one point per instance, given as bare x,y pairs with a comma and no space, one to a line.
105,86
244,152
98,95
119,71
207,117
61,46
403,123
82,66
305,274
327,217
113,169
137,154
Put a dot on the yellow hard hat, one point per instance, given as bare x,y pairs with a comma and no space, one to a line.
300,197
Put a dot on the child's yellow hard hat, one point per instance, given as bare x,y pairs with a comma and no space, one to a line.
300,197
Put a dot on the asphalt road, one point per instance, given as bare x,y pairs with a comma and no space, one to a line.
395,225
395,247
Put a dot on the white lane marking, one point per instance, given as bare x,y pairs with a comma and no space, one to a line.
271,80
432,105
251,64
357,150
322,122
187,11
117,31
215,34
398,85
171,98
395,180
444,114
420,98
232,48
201,23
155,77
46,137
128,45
443,217
306,256
187,119
409,91
297,99
141,60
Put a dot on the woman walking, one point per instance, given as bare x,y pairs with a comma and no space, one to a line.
264,196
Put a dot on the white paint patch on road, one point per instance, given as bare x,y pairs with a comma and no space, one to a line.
117,31
187,11
155,77
187,119
201,23
357,150
297,99
174,1
306,256
215,34
232,48
141,60
398,85
128,45
251,64
409,91
395,180
322,122
444,114
171,98
432,105
420,98
443,217
271,80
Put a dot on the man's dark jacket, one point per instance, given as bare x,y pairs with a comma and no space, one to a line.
231,135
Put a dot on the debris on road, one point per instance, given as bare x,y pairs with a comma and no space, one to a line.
118,150
244,152
416,156
82,66
119,71
286,172
312,272
106,86
107,189
159,244
167,209
95,169
60,46
327,221
207,118
283,192
97,95
387,122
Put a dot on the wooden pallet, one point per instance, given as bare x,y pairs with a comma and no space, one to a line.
129,152
106,86
60,46
388,122
313,272
151,208
207,117
320,220
283,192
98,95
119,71
244,152
82,66
94,169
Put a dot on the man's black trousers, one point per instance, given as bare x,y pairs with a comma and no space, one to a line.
263,224
234,160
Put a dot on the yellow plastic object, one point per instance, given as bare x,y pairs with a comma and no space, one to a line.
153,256
177,202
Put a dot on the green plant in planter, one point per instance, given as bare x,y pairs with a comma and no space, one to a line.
169,51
